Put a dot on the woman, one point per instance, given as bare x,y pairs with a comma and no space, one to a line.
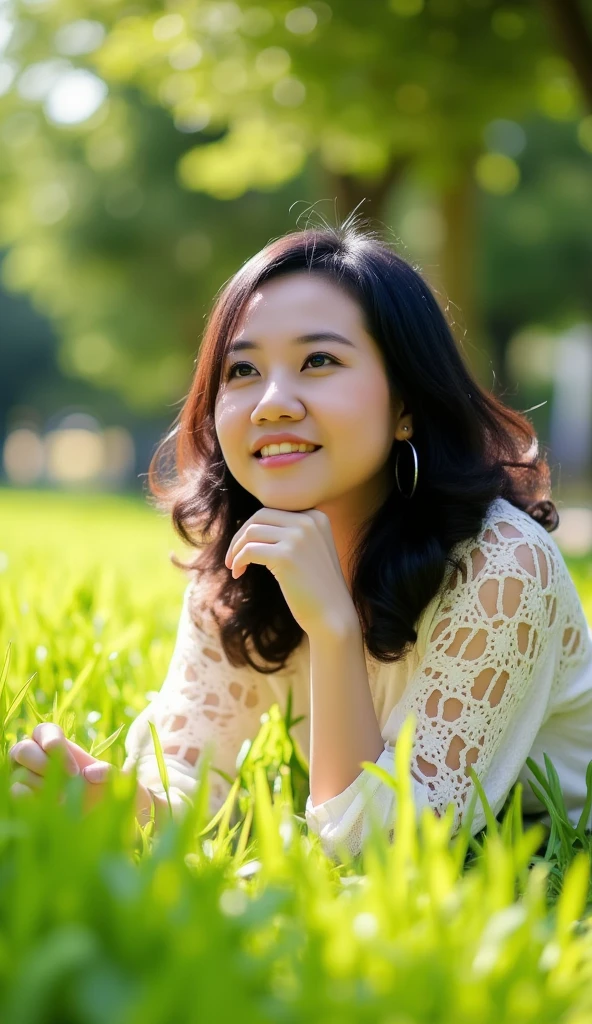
399,560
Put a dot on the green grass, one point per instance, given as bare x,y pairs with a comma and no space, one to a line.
104,922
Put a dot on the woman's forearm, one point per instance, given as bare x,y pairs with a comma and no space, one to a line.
344,729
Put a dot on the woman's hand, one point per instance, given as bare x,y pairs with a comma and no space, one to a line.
30,756
298,548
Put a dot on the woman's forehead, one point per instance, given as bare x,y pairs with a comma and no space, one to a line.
301,300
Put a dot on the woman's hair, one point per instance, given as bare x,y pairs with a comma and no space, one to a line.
471,449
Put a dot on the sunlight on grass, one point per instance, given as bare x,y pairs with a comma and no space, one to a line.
240,914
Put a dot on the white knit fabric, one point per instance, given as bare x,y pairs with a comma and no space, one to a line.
502,670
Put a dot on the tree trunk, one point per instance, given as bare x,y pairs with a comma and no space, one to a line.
350,192
575,34
457,278
455,281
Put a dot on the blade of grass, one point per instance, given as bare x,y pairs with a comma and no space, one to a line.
461,842
162,768
224,775
565,829
218,815
288,715
72,693
380,773
539,775
213,822
268,835
556,790
574,893
511,828
492,825
3,678
555,834
244,836
223,847
34,710
18,700
201,800
581,825
228,806
106,743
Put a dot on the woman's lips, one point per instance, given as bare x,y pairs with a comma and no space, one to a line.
284,460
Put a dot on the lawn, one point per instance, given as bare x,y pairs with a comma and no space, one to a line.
104,922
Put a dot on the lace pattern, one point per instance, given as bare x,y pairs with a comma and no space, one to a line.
507,647
508,631
203,700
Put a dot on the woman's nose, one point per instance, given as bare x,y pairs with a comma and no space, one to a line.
277,402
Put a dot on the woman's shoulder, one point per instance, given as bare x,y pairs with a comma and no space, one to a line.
509,538
512,566
566,621
511,544
515,553
503,520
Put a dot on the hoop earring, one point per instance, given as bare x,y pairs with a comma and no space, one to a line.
415,473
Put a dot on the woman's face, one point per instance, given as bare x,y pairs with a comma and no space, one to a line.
327,392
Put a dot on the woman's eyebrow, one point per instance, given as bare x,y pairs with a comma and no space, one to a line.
302,339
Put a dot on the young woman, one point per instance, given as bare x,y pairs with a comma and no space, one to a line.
374,532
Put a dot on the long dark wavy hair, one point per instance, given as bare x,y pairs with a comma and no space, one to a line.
471,449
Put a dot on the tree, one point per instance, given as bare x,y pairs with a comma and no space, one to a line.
572,20
256,100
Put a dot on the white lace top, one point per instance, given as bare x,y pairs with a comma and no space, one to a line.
501,670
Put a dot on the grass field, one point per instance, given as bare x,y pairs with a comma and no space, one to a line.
103,922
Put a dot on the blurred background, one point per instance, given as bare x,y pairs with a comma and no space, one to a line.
148,149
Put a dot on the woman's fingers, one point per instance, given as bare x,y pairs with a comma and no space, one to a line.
98,771
49,736
24,776
29,754
49,732
30,757
80,755
18,789
33,752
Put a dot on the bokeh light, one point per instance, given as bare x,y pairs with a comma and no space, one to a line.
78,37
530,355
75,453
497,173
407,8
301,20
74,97
574,533
507,137
8,72
23,457
424,229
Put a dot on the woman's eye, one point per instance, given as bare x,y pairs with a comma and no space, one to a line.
314,355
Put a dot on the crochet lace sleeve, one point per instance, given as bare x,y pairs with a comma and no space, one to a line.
203,699
488,647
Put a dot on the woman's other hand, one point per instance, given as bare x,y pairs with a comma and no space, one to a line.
30,757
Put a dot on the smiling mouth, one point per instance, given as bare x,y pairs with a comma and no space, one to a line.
258,454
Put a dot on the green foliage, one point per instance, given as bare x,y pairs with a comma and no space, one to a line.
539,237
220,118
104,922
129,268
417,81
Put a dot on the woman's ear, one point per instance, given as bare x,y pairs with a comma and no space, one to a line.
404,429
